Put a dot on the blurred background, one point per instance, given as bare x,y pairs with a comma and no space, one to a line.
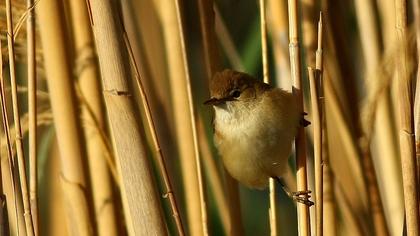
87,162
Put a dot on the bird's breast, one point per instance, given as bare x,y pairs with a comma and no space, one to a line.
252,143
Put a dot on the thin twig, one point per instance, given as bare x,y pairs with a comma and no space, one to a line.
159,158
18,131
407,148
27,14
300,143
192,116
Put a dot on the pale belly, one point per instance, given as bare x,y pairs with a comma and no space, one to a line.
256,152
255,138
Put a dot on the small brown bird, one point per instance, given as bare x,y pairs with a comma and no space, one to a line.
254,126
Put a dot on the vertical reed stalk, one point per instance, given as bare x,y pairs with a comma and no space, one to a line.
416,7
32,106
272,184
59,79
16,117
317,123
309,38
3,211
170,16
144,214
385,129
319,162
263,25
228,217
192,119
10,170
300,143
277,25
7,168
226,41
212,60
87,73
160,159
407,148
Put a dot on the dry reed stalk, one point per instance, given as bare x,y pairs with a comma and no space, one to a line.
139,193
338,110
309,38
416,7
300,143
231,216
59,79
385,132
264,50
56,212
407,147
10,169
349,215
215,180
141,16
87,73
211,51
3,212
152,128
226,41
190,101
184,121
329,203
277,25
32,107
322,135
16,118
317,124
14,214
393,198
349,149
272,211
4,227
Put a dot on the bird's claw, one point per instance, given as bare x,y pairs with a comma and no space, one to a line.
302,197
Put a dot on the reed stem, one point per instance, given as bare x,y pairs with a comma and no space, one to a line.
10,161
140,198
16,117
407,149
266,78
152,128
300,142
66,121
193,120
32,107
86,71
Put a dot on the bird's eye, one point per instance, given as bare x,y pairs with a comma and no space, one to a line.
235,93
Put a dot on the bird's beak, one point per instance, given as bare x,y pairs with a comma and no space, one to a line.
216,101
212,101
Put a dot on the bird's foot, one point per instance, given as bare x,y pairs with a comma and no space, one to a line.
302,197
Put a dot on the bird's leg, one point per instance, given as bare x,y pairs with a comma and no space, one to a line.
298,196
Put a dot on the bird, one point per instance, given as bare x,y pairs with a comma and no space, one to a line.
254,128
